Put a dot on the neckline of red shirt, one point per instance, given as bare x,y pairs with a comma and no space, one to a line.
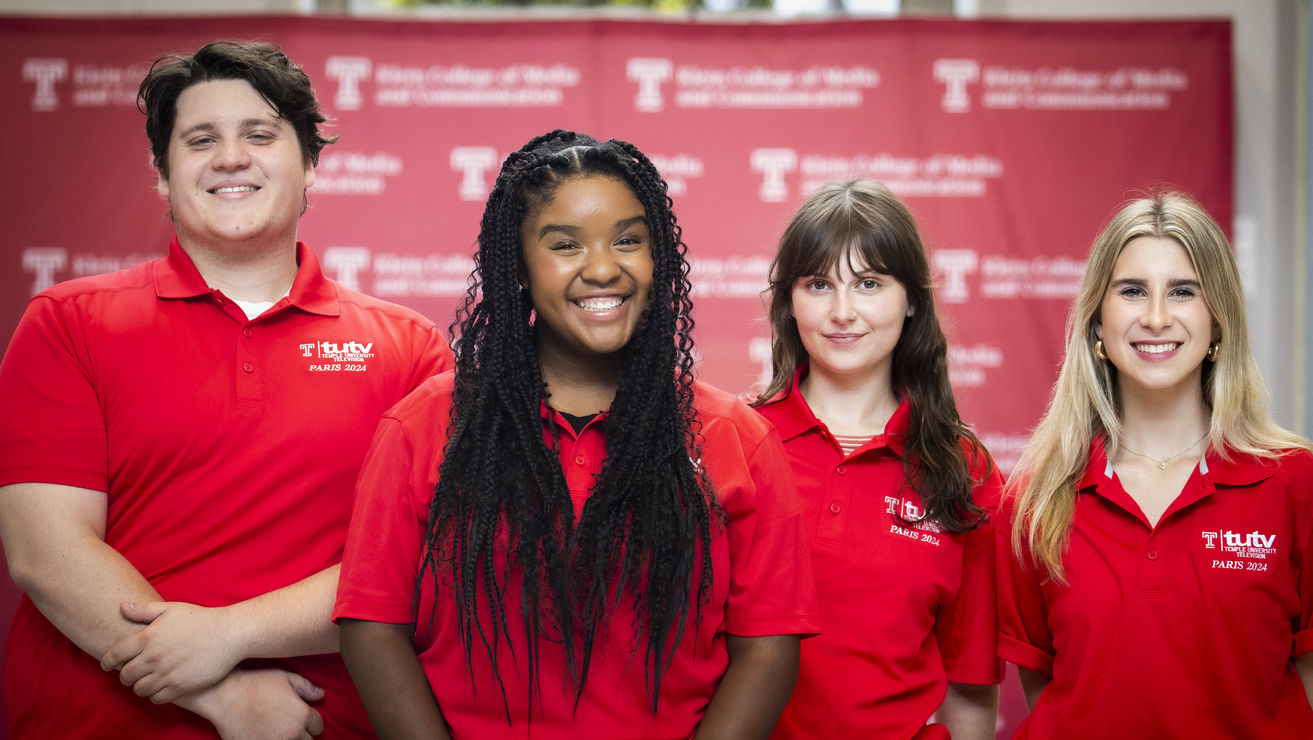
176,276
793,417
1212,471
552,416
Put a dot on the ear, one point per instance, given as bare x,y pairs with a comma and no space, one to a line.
1217,332
911,310
309,175
1098,330
161,183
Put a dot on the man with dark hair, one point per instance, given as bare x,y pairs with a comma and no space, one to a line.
179,440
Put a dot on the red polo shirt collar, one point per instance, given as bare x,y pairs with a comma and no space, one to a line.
1212,472
794,417
177,277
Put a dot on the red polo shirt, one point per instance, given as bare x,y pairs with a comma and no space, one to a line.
1181,630
762,578
905,609
227,447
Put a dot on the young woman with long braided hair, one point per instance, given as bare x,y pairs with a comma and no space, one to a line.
894,486
571,535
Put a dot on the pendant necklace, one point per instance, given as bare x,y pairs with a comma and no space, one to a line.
1162,464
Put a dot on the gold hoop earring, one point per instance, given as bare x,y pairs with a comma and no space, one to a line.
1098,350
1213,350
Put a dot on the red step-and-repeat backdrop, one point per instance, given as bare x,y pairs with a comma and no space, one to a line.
1011,142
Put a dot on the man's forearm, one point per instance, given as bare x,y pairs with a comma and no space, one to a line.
294,620
60,560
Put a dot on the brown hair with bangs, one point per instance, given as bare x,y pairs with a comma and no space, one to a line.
863,222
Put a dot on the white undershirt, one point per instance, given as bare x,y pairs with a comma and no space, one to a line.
255,308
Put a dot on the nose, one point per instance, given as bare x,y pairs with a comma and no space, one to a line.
600,265
841,309
230,154
1157,313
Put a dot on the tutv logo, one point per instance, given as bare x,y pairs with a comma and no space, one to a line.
348,71
956,74
345,348
649,73
908,510
1233,540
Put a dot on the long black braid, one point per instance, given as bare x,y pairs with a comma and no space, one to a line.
647,525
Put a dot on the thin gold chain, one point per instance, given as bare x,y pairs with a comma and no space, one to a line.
1162,464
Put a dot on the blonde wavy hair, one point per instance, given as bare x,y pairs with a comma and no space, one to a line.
1085,404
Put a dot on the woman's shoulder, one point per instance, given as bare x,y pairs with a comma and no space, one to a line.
1235,468
716,408
1294,462
433,396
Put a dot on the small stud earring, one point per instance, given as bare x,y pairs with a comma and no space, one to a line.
1099,351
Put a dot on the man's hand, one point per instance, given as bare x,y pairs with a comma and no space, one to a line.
265,704
183,648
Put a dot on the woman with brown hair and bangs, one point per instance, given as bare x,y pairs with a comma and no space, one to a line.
895,488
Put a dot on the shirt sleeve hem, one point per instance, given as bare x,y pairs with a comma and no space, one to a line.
806,625
76,479
1024,655
1303,643
374,611
978,673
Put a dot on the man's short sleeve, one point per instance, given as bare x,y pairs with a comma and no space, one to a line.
52,426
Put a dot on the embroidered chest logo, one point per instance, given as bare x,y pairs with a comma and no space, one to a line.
1239,550
902,510
337,357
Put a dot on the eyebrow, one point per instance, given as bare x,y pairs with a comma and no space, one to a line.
1175,283
572,230
211,127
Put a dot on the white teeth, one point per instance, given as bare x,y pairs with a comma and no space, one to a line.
236,189
600,304
1155,349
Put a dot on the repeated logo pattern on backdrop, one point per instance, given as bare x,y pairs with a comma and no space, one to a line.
1011,142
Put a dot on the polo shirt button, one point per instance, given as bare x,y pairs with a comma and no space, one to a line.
246,332
841,470
579,460
835,508
248,367
1152,554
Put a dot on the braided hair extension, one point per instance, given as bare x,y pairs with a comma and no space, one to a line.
501,502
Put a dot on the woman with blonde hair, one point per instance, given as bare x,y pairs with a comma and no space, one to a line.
894,486
1161,581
